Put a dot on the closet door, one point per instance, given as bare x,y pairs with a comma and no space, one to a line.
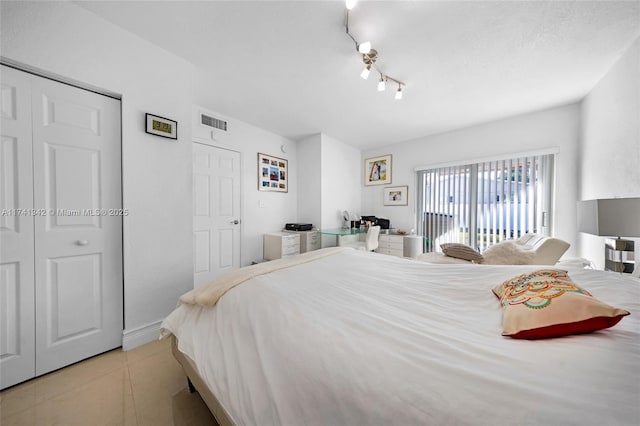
78,250
17,317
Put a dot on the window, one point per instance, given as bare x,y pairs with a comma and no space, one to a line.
483,203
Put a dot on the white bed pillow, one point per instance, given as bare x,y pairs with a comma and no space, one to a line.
508,253
461,251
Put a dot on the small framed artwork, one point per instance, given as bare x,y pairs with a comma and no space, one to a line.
377,170
161,126
396,196
273,173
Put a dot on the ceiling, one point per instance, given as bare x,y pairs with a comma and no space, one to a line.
290,68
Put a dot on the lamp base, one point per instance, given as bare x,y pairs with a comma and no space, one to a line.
619,255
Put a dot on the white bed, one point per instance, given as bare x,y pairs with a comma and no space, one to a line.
359,338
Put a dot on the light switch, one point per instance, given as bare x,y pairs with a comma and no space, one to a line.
260,204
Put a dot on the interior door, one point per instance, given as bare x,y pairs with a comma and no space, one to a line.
216,212
17,315
78,250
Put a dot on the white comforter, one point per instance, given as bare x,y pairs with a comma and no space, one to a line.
366,339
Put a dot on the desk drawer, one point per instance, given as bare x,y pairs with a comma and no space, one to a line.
309,240
280,244
290,250
290,242
389,251
391,244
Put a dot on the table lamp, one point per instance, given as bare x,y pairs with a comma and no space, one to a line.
614,217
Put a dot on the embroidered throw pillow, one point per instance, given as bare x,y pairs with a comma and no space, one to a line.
547,303
461,251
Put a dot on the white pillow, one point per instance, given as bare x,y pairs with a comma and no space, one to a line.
507,253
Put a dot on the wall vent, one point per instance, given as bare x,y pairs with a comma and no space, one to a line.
216,123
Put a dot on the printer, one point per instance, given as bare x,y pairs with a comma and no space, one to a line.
379,221
383,223
298,226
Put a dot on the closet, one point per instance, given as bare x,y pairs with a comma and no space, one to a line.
61,286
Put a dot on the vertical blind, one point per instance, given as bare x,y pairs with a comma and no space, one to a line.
483,203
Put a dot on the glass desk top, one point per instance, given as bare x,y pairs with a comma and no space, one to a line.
353,231
343,231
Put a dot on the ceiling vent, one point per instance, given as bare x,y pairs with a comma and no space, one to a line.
216,123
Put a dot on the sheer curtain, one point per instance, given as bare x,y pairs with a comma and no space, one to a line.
483,203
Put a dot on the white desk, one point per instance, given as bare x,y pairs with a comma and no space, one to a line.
389,242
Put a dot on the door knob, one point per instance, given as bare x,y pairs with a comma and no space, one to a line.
234,222
82,242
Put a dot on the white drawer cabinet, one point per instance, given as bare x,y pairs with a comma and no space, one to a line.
391,244
400,245
309,240
280,244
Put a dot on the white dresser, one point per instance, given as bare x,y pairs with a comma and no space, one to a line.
400,245
280,244
309,240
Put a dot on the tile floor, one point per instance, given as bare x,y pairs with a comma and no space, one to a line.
143,386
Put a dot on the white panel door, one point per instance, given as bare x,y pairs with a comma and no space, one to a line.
17,315
78,251
216,212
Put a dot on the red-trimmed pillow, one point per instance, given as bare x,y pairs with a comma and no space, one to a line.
547,303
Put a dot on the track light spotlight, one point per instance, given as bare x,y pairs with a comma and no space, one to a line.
351,4
365,47
399,92
382,85
365,72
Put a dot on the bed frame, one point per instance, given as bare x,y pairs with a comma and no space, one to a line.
196,383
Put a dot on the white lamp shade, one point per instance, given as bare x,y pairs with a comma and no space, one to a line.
382,85
351,4
365,72
365,47
615,217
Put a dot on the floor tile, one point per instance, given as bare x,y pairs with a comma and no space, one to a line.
106,400
144,386
147,350
189,409
16,399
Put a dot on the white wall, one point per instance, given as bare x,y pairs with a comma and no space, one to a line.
610,142
69,41
329,178
341,180
556,127
261,211
310,180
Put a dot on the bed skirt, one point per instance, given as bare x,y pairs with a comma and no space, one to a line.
207,396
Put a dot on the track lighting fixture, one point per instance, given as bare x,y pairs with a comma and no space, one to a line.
369,57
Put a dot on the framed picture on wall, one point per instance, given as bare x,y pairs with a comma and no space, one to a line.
396,196
377,170
273,173
161,126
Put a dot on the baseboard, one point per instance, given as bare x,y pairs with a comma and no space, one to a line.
140,335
